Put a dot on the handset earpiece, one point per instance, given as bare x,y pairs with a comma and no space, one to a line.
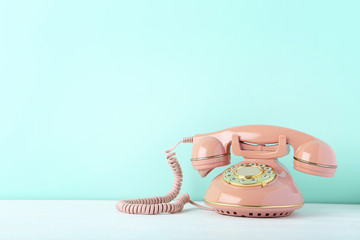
315,158
209,153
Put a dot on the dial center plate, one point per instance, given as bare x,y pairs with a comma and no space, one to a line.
249,174
248,171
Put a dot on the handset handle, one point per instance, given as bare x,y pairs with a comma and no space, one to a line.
280,151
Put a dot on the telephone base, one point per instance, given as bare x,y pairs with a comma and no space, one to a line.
259,213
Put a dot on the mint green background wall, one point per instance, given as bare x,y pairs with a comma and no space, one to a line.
93,93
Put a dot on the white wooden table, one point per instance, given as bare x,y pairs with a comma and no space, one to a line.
100,220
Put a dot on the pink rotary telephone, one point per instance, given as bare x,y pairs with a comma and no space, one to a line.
259,186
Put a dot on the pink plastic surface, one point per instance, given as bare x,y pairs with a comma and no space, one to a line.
278,198
306,147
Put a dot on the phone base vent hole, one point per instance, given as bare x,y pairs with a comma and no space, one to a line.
262,214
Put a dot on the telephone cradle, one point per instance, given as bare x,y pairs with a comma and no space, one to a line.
258,186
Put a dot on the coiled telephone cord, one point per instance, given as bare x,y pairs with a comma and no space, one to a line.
161,204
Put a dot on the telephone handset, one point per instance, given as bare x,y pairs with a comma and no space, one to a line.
258,186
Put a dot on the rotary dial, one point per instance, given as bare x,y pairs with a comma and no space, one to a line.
249,174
